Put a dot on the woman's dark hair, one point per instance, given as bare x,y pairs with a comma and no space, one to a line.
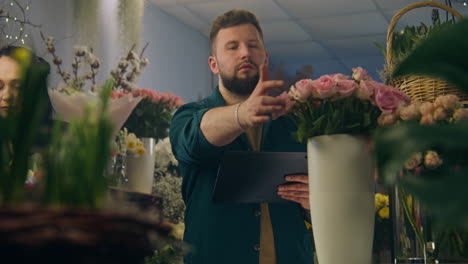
9,51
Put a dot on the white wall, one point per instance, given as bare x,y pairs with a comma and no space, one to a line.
320,67
178,55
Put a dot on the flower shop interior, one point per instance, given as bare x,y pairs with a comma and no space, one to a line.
97,177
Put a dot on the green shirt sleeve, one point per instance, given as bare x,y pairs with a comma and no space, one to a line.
188,142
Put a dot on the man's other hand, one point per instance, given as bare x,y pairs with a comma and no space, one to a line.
296,190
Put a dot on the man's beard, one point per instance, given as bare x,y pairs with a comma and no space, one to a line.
240,86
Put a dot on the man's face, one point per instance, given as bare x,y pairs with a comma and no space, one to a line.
9,83
238,54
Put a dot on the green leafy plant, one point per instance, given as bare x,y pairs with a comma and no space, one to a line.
442,190
406,40
152,116
77,159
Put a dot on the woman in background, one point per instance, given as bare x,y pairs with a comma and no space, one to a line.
10,79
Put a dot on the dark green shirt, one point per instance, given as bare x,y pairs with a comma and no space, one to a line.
230,233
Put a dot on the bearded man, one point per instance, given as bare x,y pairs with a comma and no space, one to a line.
238,115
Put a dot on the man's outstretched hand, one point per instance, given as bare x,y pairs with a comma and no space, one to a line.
256,109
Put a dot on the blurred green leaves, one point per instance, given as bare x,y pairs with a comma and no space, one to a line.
444,54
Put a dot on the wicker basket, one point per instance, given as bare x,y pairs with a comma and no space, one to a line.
420,88
77,236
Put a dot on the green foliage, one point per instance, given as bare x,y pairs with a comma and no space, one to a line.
406,40
19,129
442,190
325,117
166,255
443,55
149,119
77,158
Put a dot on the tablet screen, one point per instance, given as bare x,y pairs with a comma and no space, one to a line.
253,177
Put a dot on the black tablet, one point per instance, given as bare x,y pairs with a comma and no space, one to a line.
253,177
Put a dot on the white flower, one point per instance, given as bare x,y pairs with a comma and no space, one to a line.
80,50
114,73
50,41
132,55
123,63
144,62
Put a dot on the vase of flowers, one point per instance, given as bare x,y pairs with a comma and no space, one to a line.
140,169
382,245
335,114
150,122
125,146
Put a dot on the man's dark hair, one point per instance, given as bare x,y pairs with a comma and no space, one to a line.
233,18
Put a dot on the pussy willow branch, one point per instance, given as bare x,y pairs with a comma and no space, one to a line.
59,69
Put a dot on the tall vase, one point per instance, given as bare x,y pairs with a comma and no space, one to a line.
341,171
140,170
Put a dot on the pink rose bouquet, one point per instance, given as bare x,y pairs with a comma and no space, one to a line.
340,104
152,115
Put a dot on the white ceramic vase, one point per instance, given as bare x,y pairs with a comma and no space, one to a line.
341,171
140,170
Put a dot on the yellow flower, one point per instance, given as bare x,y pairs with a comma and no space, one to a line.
381,201
409,201
178,231
131,144
140,151
384,213
139,144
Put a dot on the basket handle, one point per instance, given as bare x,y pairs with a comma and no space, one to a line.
400,13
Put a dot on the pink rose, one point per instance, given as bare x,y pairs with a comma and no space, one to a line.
410,112
440,114
388,98
427,108
325,86
432,160
414,161
359,74
366,90
346,88
179,102
116,95
451,102
427,120
460,114
303,89
387,119
339,76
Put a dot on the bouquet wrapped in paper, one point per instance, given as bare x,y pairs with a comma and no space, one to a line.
74,92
